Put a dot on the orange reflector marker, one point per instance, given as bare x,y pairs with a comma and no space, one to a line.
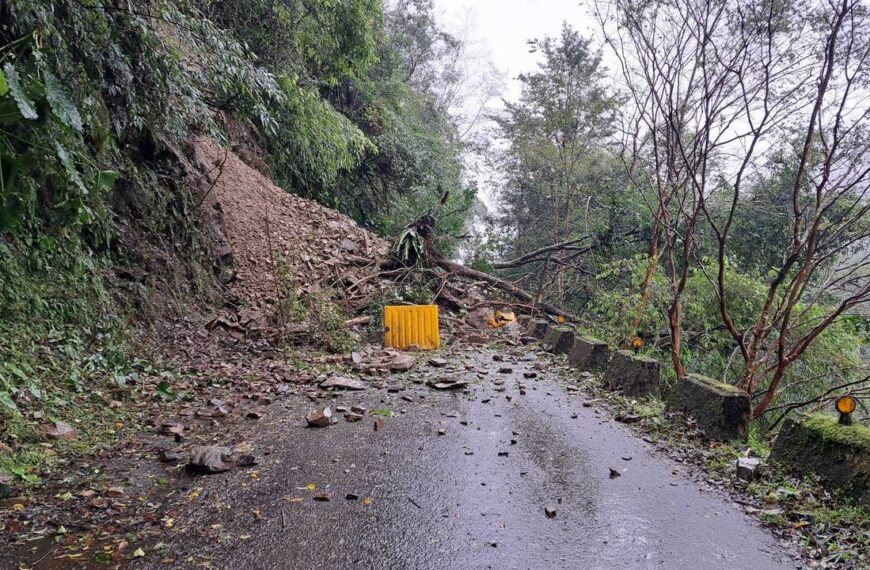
846,405
408,325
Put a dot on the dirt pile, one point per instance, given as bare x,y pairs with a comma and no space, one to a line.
277,240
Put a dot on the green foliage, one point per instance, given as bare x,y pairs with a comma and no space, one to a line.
95,101
708,347
326,325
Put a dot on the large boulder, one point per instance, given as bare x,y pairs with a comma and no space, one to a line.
559,339
633,375
588,353
538,328
838,454
721,410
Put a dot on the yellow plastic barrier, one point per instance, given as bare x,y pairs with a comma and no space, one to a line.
411,325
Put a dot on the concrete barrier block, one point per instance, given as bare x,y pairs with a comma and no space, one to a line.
838,454
588,353
633,375
721,410
538,328
559,339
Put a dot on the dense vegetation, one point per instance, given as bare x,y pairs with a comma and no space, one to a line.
97,101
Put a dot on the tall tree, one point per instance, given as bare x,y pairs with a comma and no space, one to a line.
554,134
715,87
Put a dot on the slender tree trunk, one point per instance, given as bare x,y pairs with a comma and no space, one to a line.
675,320
652,266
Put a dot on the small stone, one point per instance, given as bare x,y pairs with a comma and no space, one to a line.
379,424
352,497
246,460
115,492
449,384
253,415
614,473
505,370
115,404
401,363
322,497
442,431
351,417
169,456
628,418
209,459
358,409
550,512
748,468
323,418
60,431
530,374
340,382
503,454
437,362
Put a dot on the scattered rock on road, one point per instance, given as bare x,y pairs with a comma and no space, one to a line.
343,383
748,468
401,363
168,456
449,384
323,418
209,459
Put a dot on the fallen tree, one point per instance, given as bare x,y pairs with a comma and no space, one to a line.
415,248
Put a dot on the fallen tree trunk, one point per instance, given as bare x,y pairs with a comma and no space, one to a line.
408,251
501,285
570,245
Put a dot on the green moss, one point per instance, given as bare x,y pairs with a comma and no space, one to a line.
592,339
719,387
855,436
638,357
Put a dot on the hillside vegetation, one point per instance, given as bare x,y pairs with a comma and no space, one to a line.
101,218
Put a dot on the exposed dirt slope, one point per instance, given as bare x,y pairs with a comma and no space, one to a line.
265,226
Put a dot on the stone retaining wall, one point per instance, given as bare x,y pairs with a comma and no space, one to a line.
721,410
633,375
559,339
838,454
588,353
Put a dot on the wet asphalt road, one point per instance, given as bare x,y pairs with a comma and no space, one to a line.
456,500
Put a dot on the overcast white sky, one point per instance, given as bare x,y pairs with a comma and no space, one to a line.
505,25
